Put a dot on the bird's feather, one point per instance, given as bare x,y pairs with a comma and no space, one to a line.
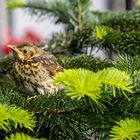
50,63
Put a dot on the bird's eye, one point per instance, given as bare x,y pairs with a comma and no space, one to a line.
31,53
25,51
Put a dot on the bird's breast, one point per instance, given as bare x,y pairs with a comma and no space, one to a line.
31,72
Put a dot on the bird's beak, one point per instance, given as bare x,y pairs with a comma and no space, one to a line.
12,47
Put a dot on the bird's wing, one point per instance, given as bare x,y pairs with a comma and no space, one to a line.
50,63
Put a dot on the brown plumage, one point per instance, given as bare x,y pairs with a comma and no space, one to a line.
34,69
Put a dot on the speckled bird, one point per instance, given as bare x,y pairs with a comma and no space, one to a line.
34,69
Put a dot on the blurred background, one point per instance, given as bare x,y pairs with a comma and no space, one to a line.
18,26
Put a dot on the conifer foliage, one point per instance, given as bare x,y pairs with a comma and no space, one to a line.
100,98
85,105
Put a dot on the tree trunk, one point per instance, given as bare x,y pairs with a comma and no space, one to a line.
129,4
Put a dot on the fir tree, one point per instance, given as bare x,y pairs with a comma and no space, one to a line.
97,101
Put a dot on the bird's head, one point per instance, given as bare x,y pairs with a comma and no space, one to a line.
25,52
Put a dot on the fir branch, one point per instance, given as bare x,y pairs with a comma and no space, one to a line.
127,63
126,129
126,21
116,78
118,42
63,11
60,113
79,83
14,116
5,66
84,61
21,136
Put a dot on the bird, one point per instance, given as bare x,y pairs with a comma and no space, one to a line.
33,69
